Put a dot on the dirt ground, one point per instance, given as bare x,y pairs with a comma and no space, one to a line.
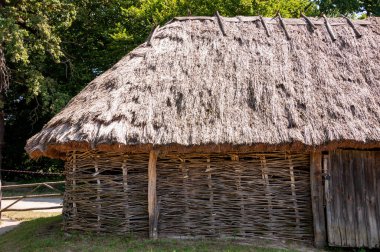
8,224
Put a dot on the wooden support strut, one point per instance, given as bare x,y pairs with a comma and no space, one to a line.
282,23
151,36
317,199
357,33
308,21
152,195
98,191
221,24
264,25
329,29
125,190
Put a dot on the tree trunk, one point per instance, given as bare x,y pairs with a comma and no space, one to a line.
1,141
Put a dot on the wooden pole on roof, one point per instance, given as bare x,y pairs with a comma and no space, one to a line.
319,219
152,195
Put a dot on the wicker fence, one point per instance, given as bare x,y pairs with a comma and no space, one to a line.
199,195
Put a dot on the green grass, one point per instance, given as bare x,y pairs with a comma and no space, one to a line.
44,234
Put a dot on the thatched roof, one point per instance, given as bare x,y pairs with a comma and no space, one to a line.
191,86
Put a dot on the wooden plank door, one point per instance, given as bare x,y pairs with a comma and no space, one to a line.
352,189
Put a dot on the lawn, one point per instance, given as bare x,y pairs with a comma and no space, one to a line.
45,234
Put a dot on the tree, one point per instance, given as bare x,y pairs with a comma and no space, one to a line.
140,17
347,7
29,42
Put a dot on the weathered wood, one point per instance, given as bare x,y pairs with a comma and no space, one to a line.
98,192
152,195
22,197
357,33
239,171
151,35
220,23
33,185
293,189
48,195
328,197
282,23
211,197
308,21
329,29
229,198
30,209
352,211
125,190
75,210
265,26
185,186
317,199
268,194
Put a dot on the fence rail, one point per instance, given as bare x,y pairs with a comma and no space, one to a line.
29,194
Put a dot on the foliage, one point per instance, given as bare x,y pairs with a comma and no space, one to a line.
141,17
347,7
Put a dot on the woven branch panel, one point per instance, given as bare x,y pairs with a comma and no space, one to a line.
199,195
106,192
246,195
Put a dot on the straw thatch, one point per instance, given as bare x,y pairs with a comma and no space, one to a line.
192,86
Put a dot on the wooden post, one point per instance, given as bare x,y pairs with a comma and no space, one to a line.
98,190
239,170
293,188
211,201
75,211
319,219
185,181
268,194
152,195
125,190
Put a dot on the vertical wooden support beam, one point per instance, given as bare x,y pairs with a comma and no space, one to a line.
239,170
211,202
98,190
293,188
75,210
125,190
319,219
268,194
185,187
152,195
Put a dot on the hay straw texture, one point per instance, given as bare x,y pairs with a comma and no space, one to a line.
190,85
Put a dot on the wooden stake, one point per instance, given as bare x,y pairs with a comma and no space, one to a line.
293,188
125,190
151,36
211,202
98,190
357,33
282,23
329,29
317,199
185,182
239,171
265,26
152,195
75,210
308,21
268,195
221,24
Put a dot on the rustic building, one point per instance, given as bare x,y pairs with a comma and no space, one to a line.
229,127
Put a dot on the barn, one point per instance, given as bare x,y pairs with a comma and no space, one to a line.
223,127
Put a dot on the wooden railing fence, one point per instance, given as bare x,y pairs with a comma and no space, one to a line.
34,187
